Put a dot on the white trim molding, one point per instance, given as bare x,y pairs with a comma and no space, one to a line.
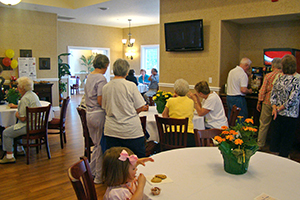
171,85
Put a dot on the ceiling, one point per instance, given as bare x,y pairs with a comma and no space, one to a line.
142,12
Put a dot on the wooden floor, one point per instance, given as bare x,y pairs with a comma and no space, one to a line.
47,178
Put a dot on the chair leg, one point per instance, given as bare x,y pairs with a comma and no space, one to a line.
15,148
61,140
27,152
47,147
37,147
65,138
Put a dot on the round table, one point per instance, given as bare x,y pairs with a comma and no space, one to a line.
197,173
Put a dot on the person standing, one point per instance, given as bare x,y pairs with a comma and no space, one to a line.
153,87
264,104
237,83
285,107
95,114
122,102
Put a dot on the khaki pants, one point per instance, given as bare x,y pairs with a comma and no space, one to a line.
264,124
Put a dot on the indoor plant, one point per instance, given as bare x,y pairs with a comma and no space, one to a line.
160,99
63,69
237,144
12,96
88,62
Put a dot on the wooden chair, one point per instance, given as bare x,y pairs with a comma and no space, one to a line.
151,102
203,137
75,86
81,178
36,129
233,115
172,132
86,135
57,125
151,146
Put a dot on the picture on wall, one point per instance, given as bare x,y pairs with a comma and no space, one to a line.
3,66
44,63
25,53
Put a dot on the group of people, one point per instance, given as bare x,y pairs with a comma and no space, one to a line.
278,101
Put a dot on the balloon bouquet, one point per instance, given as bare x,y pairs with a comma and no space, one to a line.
8,61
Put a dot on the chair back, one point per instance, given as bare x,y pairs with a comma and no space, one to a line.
172,132
233,115
63,112
151,102
77,80
37,122
81,178
203,138
143,122
86,135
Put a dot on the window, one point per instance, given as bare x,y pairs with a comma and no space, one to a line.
150,57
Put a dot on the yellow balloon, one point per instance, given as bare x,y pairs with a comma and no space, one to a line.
9,53
14,64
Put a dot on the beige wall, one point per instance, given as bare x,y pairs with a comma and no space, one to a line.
143,35
223,48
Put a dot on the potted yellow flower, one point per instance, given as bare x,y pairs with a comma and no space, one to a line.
237,144
160,99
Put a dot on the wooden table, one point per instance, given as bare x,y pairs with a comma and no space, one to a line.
198,173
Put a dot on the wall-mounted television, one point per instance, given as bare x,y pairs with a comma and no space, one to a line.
184,35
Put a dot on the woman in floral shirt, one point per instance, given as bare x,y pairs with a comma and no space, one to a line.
285,107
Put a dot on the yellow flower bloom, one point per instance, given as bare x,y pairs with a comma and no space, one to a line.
249,120
218,139
159,90
238,142
225,132
158,95
232,132
229,137
240,117
224,127
154,98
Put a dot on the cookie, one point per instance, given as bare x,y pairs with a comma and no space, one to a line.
161,176
155,191
155,180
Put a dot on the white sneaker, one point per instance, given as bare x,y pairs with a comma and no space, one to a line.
97,181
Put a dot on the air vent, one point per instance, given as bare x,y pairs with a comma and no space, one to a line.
65,18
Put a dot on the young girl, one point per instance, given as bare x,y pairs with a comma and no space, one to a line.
119,174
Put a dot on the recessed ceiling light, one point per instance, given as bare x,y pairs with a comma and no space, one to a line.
103,8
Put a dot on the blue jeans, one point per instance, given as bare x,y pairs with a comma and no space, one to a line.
240,102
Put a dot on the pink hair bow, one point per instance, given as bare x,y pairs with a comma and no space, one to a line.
132,159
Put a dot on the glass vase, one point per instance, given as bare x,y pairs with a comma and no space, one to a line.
160,106
231,165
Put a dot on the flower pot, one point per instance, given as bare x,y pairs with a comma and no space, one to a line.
231,165
160,106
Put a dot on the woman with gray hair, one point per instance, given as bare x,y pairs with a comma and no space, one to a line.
285,107
28,99
264,104
180,107
122,102
95,114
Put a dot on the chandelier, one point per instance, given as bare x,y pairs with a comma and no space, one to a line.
10,2
130,40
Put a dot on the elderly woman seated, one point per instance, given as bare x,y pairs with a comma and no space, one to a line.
181,106
28,99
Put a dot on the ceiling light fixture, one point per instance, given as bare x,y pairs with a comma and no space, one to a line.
130,40
10,2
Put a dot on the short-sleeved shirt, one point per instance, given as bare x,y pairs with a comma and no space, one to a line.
182,107
216,117
93,89
154,82
120,99
237,78
145,79
29,99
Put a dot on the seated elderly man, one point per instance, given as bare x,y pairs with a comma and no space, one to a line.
180,106
28,99
211,107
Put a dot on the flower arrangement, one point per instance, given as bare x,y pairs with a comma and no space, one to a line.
238,144
160,99
12,95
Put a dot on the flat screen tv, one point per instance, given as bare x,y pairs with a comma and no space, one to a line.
184,35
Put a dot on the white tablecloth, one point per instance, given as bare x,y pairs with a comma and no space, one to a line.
152,127
142,88
8,115
198,173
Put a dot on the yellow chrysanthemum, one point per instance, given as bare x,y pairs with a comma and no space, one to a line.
229,137
225,132
240,117
233,132
158,95
249,120
154,98
224,127
218,139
